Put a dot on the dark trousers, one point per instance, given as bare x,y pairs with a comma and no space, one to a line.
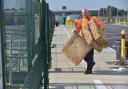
90,57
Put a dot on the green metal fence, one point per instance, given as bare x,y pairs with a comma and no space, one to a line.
28,31
2,77
47,28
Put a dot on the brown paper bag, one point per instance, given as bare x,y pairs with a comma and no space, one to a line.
76,49
98,35
94,29
102,40
89,39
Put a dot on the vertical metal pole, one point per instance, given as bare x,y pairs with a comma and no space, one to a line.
10,61
127,14
1,58
98,13
117,16
103,11
41,40
28,31
46,83
117,12
110,14
2,45
49,34
20,59
46,38
44,43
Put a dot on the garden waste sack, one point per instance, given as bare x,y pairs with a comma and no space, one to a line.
76,49
99,36
89,39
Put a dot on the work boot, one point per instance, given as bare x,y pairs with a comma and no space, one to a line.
89,68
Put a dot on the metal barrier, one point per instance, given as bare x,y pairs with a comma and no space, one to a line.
28,31
47,29
46,34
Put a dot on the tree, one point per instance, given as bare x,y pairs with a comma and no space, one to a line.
64,8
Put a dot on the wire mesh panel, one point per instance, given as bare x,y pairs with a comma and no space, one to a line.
51,25
43,49
28,31
21,41
33,80
16,55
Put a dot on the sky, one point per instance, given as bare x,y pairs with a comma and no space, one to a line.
72,4
14,3
89,4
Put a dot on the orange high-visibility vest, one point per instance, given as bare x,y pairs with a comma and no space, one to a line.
81,23
95,18
84,21
78,25
99,21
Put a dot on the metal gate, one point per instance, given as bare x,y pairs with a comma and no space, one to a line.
28,31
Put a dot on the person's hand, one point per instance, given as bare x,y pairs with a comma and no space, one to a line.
81,34
73,30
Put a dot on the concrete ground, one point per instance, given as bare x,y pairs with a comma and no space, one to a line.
65,75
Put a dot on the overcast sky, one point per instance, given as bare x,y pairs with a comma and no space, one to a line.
72,4
89,4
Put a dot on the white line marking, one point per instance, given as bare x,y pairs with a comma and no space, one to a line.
99,84
120,69
112,49
119,25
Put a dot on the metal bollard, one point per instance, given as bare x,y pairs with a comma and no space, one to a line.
123,50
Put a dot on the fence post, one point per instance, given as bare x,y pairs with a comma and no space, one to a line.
44,42
2,64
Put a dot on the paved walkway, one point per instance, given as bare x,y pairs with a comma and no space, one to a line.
64,75
123,25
